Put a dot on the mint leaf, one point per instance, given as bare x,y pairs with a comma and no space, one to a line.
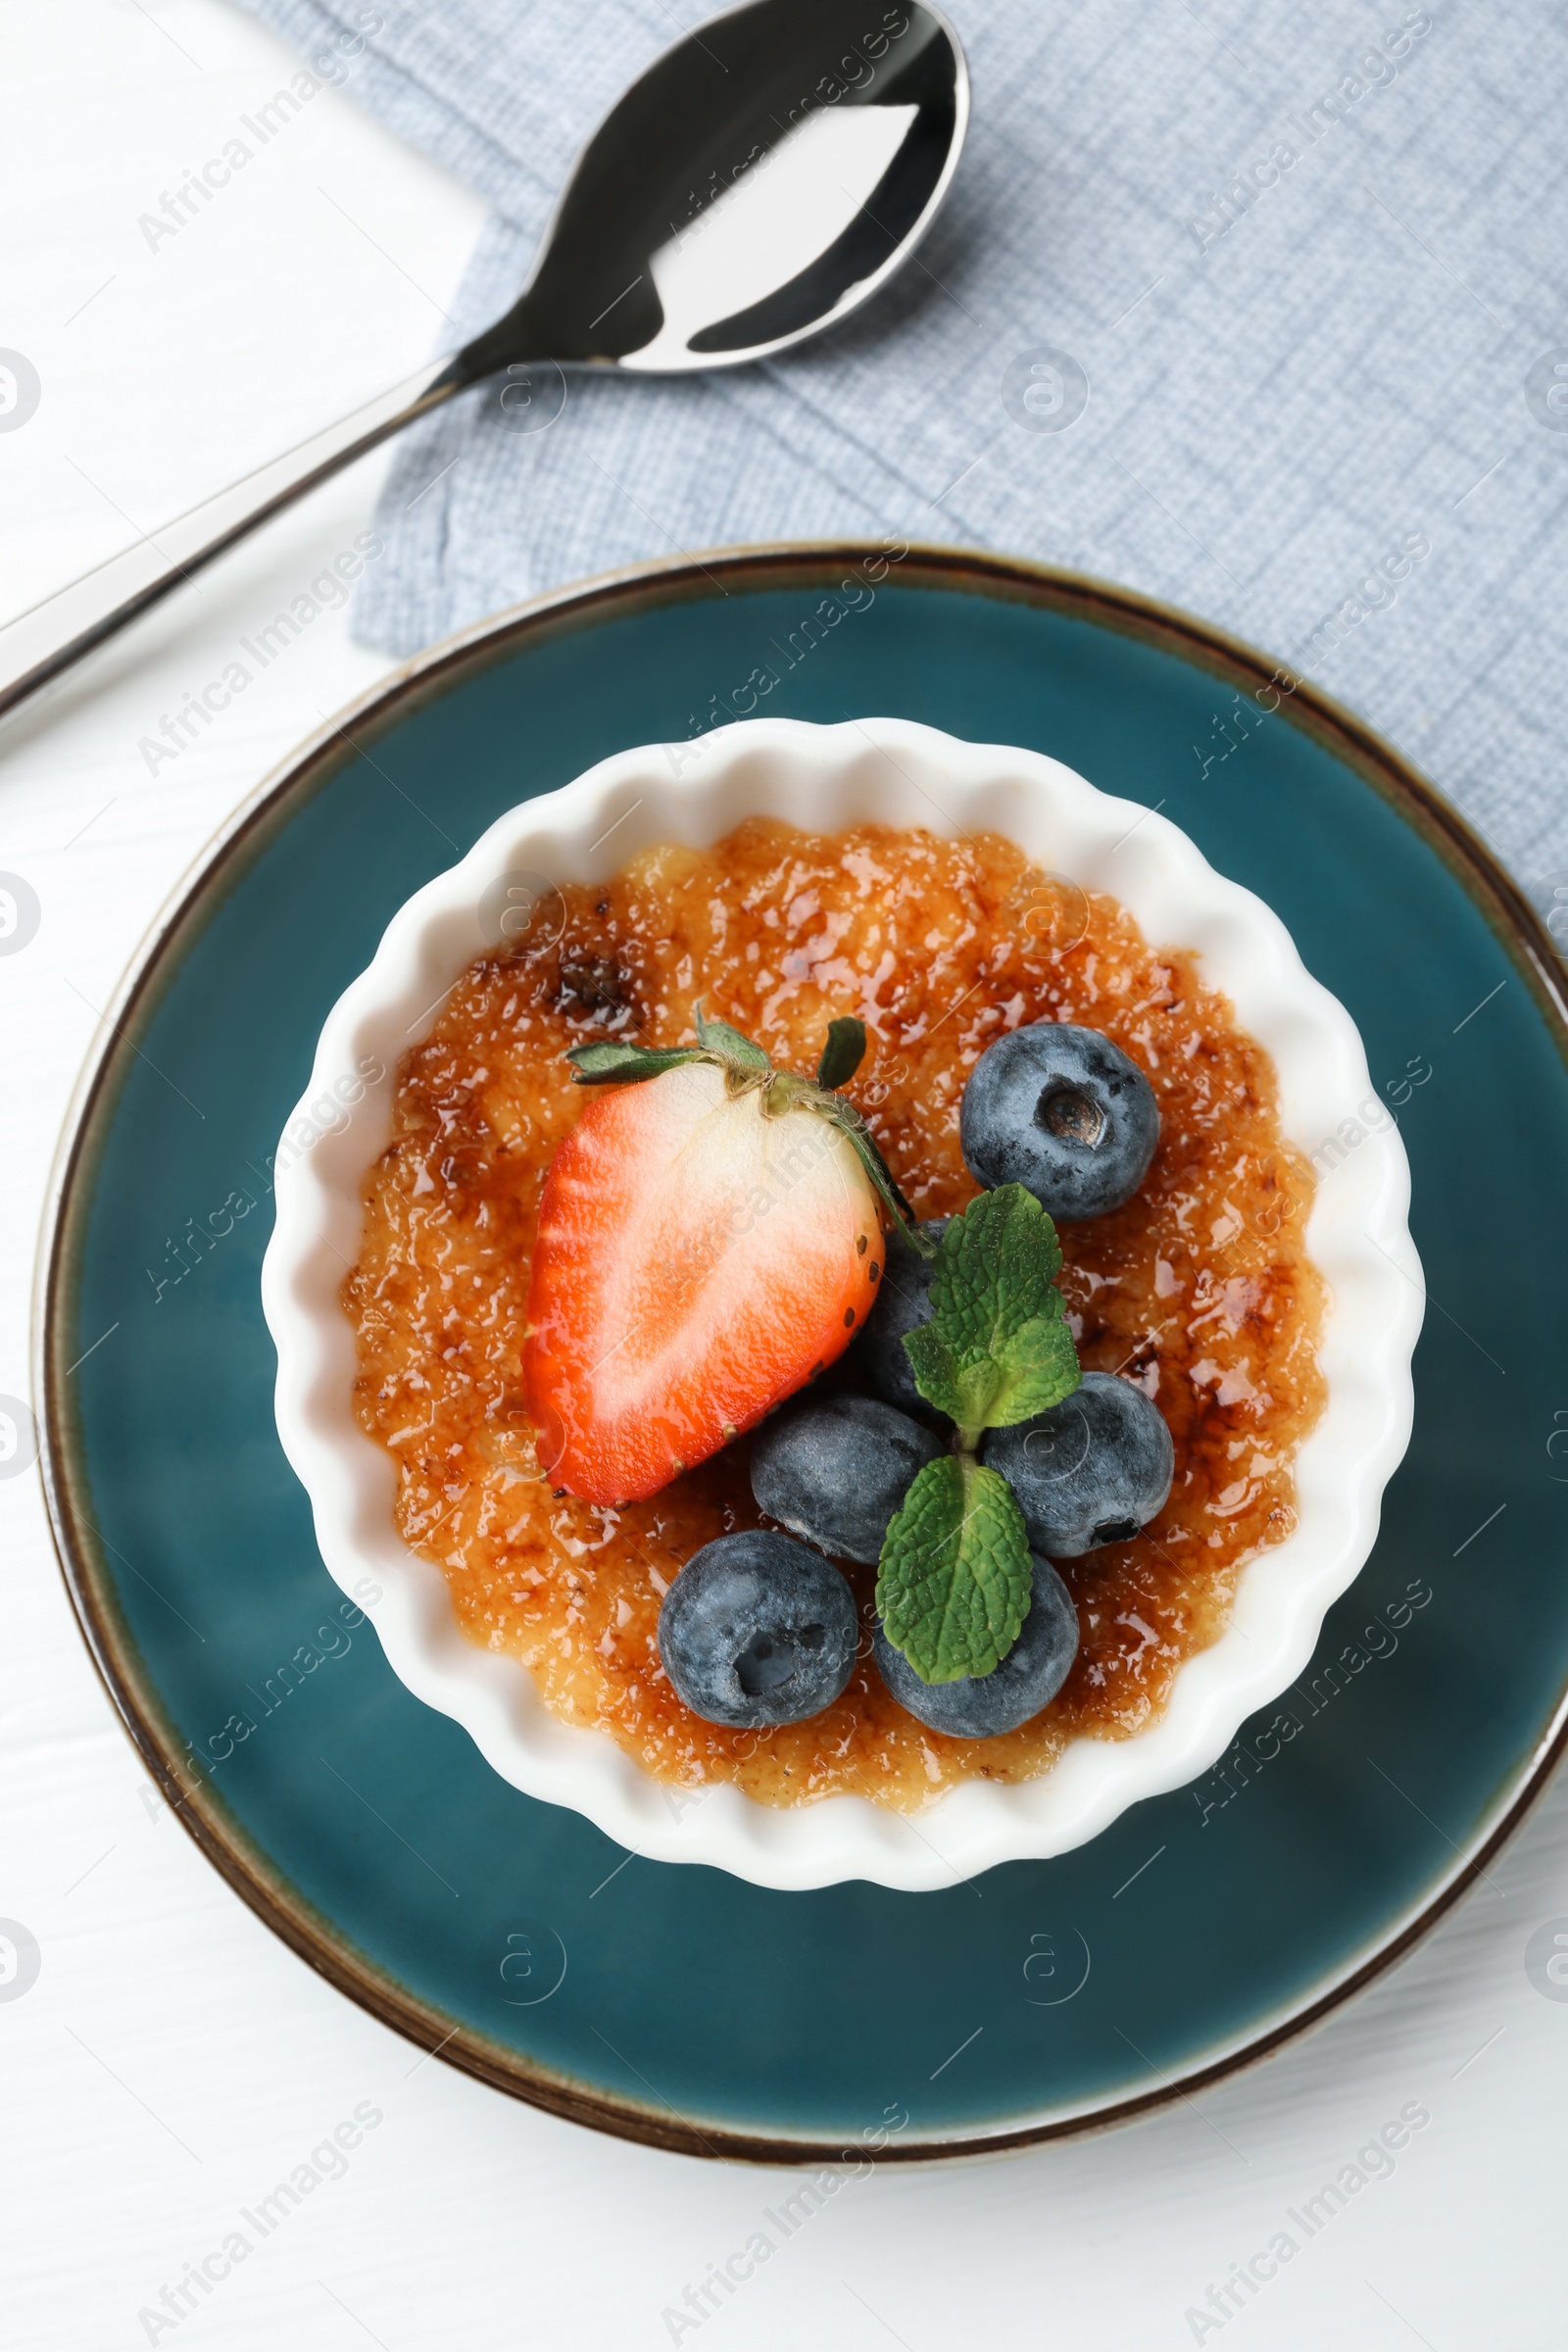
608,1063
997,1270
964,1392
843,1054
997,1347
953,1585
1038,1368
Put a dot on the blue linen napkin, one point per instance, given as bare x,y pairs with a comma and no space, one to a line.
1305,264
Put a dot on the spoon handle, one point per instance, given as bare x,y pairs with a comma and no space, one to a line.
42,642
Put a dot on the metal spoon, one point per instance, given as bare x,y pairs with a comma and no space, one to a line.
760,181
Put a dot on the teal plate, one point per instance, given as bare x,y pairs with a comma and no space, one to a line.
678,2005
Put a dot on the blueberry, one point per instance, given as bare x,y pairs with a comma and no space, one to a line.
834,1469
980,1705
1064,1112
757,1630
1093,1470
877,1357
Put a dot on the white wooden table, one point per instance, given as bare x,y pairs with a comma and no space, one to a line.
172,2060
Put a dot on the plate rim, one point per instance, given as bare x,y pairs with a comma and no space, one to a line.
308,767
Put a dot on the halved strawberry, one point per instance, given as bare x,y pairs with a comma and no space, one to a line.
710,1236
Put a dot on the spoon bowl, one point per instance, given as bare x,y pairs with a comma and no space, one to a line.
760,181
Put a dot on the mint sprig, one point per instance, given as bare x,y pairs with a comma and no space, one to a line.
954,1579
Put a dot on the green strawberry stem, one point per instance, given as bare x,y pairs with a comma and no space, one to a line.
745,1067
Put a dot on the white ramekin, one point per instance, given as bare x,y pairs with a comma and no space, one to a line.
891,772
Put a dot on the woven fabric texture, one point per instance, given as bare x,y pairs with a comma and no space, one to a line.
1307,263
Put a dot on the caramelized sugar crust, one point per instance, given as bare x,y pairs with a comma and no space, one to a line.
1199,1288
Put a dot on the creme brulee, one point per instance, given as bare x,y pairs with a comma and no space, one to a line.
1199,1287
